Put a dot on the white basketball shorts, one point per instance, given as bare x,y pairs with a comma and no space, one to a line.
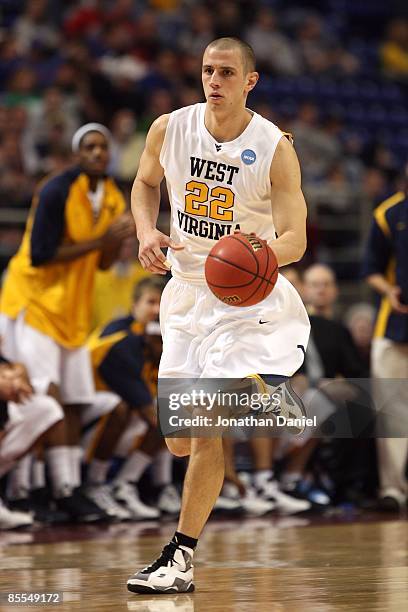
204,338
103,403
26,423
48,362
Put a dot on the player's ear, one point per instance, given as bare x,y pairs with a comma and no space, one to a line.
252,79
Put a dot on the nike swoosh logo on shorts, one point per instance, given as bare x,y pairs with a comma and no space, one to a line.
262,322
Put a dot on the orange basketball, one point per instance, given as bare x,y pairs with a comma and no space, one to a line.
241,269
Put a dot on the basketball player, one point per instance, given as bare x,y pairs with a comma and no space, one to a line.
226,168
76,225
125,355
386,270
26,419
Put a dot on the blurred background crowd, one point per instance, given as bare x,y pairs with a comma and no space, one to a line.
334,74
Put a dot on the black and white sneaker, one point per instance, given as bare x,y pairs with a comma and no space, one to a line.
79,508
172,572
127,494
284,402
284,501
101,495
169,500
39,503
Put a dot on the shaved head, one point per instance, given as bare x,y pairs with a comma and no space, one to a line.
320,289
247,53
319,271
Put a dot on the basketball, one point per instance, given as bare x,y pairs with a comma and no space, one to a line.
241,269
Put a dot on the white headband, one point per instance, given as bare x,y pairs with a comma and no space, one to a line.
84,129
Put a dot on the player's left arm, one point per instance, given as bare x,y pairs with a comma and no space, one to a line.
288,205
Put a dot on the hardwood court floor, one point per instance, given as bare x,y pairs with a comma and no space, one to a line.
277,565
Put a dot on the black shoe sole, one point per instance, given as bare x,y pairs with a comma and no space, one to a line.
136,588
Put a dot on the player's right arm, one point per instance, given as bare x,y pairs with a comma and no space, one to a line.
145,200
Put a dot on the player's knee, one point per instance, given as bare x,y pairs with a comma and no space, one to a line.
210,446
48,408
180,447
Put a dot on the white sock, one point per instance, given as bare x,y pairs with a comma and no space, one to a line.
97,471
136,428
59,465
76,453
133,468
39,481
162,468
19,479
261,477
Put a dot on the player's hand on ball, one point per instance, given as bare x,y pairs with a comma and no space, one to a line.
150,254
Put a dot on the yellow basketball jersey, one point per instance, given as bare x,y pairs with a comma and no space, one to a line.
57,297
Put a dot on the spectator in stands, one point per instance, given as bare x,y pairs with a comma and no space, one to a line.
21,88
320,290
229,19
359,320
77,224
16,184
33,26
386,269
159,102
293,275
374,186
331,353
201,31
394,50
127,145
320,49
317,149
273,50
334,194
51,125
332,339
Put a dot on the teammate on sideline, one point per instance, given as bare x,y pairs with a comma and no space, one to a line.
25,418
76,225
386,271
226,168
125,355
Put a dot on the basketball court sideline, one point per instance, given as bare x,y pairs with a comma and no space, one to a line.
286,564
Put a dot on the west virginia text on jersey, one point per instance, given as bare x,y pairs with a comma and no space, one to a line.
215,188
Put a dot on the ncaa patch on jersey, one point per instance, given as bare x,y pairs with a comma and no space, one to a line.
248,156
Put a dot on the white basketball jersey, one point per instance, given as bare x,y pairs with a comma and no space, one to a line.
215,188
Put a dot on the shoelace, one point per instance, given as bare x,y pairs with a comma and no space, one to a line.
166,556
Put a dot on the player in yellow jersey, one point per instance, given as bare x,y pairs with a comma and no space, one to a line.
76,225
